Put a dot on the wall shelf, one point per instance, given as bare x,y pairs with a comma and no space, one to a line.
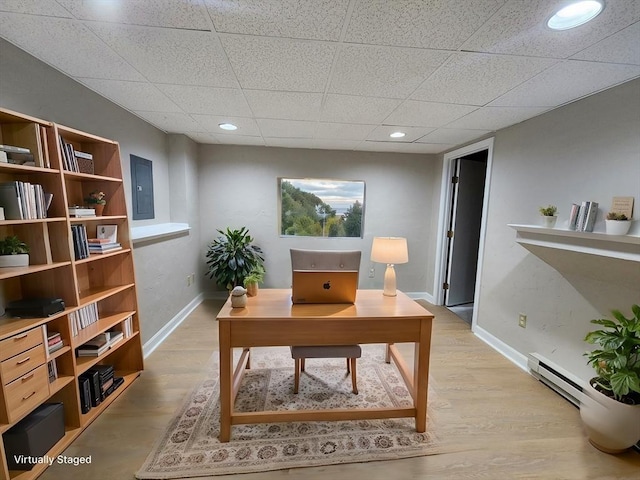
158,231
621,247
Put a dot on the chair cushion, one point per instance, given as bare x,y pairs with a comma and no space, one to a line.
326,351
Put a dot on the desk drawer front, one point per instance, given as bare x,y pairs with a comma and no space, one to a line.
22,363
27,392
22,342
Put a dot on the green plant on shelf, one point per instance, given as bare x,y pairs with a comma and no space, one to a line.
96,198
12,245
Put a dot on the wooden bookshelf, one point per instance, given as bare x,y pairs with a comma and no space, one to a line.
104,280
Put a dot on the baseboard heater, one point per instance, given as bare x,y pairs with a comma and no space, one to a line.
556,378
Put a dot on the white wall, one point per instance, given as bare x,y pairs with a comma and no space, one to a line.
239,187
587,150
29,86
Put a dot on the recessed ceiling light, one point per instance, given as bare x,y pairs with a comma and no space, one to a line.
227,126
397,135
575,14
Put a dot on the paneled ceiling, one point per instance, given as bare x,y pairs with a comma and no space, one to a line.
330,74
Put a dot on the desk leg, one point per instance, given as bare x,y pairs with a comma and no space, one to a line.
421,374
387,354
226,374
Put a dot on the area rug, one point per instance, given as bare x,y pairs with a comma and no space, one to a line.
190,448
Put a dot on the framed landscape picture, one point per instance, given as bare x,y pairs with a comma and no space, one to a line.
321,207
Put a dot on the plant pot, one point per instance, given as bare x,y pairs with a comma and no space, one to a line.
617,227
252,289
612,426
549,222
20,260
99,209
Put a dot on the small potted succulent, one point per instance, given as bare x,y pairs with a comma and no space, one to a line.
96,199
549,215
13,252
617,224
610,406
251,281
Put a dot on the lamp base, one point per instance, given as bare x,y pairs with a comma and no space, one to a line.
390,281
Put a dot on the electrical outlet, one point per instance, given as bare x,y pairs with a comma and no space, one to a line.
188,280
372,271
522,320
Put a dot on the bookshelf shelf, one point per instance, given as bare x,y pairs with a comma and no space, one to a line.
102,285
621,247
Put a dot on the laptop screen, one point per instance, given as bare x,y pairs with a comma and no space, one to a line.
324,286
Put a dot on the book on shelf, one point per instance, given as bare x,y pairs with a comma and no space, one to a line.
80,245
127,326
23,200
54,342
582,218
99,344
83,317
14,149
84,155
592,213
573,216
104,248
23,138
52,370
76,211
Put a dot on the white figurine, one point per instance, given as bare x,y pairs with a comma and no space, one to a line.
239,297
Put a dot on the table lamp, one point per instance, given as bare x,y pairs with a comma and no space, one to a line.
389,250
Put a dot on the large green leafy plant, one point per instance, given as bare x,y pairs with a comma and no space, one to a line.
231,257
617,360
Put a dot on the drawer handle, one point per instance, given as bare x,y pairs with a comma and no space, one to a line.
28,396
23,360
20,337
27,377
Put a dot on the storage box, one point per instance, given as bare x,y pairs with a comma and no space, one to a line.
34,436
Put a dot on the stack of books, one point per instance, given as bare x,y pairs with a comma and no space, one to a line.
583,217
103,245
83,317
99,344
54,342
16,155
76,211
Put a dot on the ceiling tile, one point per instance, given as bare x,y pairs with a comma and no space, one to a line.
141,96
239,139
427,24
286,128
478,78
288,142
342,131
312,19
202,137
519,28
334,144
208,100
352,109
615,49
165,55
382,133
495,118
210,123
34,7
284,105
161,13
427,114
170,122
67,45
565,82
264,63
371,146
390,72
452,136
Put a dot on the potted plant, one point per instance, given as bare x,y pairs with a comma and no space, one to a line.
231,257
96,200
610,407
13,252
617,224
549,215
251,281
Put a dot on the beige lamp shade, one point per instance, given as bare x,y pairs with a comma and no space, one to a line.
390,250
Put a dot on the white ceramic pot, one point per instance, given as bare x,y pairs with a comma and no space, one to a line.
617,227
20,260
612,426
549,222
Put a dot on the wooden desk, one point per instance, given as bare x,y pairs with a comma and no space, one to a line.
271,320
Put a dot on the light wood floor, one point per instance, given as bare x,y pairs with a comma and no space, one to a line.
502,422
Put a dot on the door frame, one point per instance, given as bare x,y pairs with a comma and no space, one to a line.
444,217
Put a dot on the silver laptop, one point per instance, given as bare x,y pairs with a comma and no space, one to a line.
324,286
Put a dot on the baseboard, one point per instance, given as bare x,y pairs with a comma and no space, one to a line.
422,296
155,341
511,354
